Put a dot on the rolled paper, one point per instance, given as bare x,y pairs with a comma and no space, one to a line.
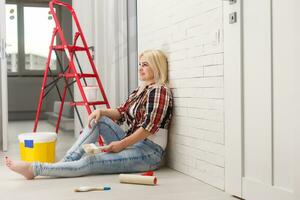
138,179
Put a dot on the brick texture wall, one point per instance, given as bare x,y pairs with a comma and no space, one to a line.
191,33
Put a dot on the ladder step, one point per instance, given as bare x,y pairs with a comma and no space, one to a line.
70,47
73,75
81,103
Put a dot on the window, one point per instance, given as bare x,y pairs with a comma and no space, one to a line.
29,30
38,27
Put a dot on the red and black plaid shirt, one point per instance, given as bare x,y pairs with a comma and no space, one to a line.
151,109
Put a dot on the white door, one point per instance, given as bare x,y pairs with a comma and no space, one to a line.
269,86
3,84
264,167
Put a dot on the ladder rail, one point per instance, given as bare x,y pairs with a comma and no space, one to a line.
71,69
91,60
62,105
70,8
64,43
69,91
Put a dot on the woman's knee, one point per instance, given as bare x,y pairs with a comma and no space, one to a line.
105,120
107,126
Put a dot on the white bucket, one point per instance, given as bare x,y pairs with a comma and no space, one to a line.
91,93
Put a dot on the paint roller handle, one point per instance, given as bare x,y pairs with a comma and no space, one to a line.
149,173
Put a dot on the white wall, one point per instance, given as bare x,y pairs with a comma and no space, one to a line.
111,48
190,32
105,28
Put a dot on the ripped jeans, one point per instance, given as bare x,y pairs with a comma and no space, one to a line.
142,156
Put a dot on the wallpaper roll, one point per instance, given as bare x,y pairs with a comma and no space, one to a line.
138,179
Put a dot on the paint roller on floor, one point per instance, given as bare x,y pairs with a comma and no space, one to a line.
143,179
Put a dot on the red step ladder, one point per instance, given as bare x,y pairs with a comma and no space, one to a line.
70,72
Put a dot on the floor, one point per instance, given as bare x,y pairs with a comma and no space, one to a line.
171,184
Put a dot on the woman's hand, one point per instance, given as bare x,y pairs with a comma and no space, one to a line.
115,146
94,116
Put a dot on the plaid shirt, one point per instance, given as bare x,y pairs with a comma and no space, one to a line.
151,109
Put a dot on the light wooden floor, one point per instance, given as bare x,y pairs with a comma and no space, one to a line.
171,184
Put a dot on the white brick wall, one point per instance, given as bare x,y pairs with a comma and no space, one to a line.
190,32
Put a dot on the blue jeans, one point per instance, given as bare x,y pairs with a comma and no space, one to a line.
142,156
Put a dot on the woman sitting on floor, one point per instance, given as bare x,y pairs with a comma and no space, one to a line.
147,112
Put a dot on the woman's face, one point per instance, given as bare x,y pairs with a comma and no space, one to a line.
145,71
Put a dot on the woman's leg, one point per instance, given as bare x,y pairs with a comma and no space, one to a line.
23,168
109,130
142,156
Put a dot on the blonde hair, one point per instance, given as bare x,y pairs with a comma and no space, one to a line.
158,63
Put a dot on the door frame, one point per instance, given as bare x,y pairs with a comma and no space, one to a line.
3,84
297,99
233,99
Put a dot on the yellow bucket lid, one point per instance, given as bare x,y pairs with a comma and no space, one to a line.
38,137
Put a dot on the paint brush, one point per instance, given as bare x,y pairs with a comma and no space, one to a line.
89,188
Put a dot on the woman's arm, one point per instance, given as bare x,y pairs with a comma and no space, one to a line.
113,114
138,135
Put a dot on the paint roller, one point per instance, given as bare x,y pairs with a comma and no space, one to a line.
138,179
93,149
